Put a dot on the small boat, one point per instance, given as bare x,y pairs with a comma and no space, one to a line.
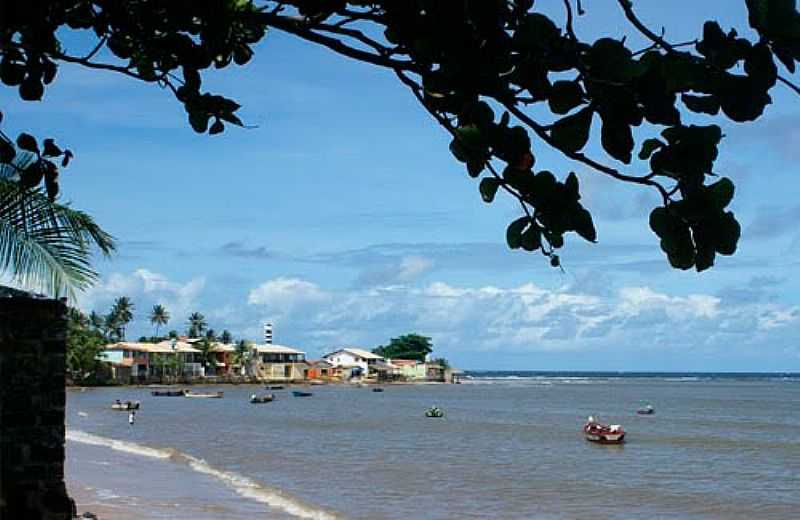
212,395
377,389
317,382
257,399
273,387
647,410
603,433
167,393
434,411
298,393
125,406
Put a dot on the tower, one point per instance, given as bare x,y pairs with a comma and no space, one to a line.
268,333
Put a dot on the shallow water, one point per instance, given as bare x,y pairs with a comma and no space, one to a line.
716,448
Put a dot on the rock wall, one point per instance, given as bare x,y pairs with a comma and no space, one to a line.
32,400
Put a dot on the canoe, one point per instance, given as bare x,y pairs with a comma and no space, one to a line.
125,406
273,387
167,393
600,433
214,395
646,411
298,393
377,389
258,399
317,382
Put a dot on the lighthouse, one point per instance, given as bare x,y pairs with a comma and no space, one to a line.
268,333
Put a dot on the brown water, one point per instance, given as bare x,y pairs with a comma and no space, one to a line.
508,448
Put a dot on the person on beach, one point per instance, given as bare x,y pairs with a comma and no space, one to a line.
132,417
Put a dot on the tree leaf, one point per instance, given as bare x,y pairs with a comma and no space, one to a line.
564,96
531,238
514,232
721,192
488,188
27,142
648,147
584,226
617,139
572,132
701,104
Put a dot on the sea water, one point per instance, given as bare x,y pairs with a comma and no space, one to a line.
509,446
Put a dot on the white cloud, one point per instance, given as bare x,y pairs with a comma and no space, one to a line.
282,294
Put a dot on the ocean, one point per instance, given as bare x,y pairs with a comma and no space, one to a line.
509,446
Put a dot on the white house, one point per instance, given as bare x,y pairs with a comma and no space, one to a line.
351,357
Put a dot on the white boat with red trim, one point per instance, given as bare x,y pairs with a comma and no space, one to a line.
600,433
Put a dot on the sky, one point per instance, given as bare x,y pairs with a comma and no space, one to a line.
341,217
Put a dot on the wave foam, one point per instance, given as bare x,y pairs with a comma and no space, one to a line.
242,485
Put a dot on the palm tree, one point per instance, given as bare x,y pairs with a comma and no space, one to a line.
96,321
207,354
44,245
211,335
241,356
197,324
123,311
159,316
226,337
111,326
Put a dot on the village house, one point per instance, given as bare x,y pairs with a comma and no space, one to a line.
409,369
353,362
321,370
279,363
146,360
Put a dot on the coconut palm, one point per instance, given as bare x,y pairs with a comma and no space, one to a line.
226,337
159,316
123,312
44,245
96,321
241,356
197,324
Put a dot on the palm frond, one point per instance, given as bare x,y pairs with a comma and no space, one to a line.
45,245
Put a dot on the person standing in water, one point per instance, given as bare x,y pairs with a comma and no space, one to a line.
132,417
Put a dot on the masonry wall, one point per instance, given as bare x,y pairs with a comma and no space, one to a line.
32,400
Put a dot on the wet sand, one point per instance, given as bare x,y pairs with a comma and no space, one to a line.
119,486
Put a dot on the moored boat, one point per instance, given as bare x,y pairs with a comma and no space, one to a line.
167,393
257,399
124,406
377,389
299,393
273,387
434,411
603,433
647,410
211,395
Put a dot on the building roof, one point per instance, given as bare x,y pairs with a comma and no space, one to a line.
319,363
152,348
276,349
404,362
223,347
356,352
180,346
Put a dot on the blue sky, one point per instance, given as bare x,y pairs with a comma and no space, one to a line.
343,219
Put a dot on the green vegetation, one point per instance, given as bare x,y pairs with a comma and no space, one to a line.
494,74
197,325
159,316
84,342
409,346
43,244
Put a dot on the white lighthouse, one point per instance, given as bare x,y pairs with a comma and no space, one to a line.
268,333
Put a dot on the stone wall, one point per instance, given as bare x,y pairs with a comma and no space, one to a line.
32,399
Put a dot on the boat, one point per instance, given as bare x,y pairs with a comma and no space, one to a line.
257,399
317,382
647,410
603,433
377,389
124,406
298,393
211,395
167,393
273,387
434,411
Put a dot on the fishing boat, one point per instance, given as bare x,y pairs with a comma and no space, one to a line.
647,410
210,395
299,393
124,406
434,411
167,393
273,387
317,382
377,389
603,433
258,399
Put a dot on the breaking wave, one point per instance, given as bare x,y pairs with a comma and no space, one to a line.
242,485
